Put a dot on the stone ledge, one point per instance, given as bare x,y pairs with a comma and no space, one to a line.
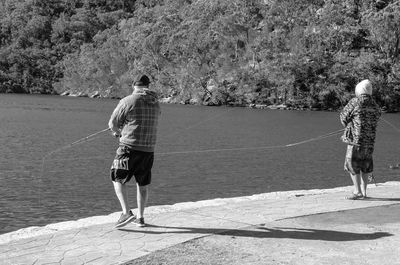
49,229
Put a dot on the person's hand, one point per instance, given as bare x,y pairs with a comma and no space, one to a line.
116,134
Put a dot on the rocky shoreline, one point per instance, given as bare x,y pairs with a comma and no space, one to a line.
174,100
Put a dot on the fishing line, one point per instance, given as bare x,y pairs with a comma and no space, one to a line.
391,124
316,138
255,148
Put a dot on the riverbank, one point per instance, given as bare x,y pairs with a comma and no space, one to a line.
297,227
272,106
174,100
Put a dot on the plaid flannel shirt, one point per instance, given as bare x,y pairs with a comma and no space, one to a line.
136,119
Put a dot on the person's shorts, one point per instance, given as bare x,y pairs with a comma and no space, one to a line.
359,159
130,163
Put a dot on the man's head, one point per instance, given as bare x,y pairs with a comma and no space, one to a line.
364,88
142,82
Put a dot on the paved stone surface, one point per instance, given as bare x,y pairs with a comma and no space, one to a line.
360,236
309,225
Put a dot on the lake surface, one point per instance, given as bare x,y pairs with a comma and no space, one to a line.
74,183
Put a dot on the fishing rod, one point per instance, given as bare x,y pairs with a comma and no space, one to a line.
77,142
82,140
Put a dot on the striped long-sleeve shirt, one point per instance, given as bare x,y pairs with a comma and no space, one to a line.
360,117
136,119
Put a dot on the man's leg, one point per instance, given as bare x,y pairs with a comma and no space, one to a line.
142,196
121,192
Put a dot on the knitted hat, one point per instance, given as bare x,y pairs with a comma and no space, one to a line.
143,81
364,87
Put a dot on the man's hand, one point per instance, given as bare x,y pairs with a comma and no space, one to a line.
115,134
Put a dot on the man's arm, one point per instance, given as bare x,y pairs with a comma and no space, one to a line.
346,113
117,118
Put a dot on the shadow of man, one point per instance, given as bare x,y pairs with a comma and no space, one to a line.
265,232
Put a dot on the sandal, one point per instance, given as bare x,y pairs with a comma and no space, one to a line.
354,196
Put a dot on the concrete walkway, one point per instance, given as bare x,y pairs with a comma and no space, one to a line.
296,227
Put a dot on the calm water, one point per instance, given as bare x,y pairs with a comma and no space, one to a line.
74,183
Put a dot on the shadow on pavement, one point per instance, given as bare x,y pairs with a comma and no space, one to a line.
382,199
264,232
319,234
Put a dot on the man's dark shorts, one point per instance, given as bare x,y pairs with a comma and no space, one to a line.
359,159
130,163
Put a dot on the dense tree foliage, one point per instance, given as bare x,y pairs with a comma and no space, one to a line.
36,35
308,53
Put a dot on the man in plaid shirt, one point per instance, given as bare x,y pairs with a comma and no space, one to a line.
134,121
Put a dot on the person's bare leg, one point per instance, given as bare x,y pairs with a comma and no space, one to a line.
142,197
356,183
364,183
121,192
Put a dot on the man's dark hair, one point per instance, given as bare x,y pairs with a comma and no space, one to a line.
143,81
